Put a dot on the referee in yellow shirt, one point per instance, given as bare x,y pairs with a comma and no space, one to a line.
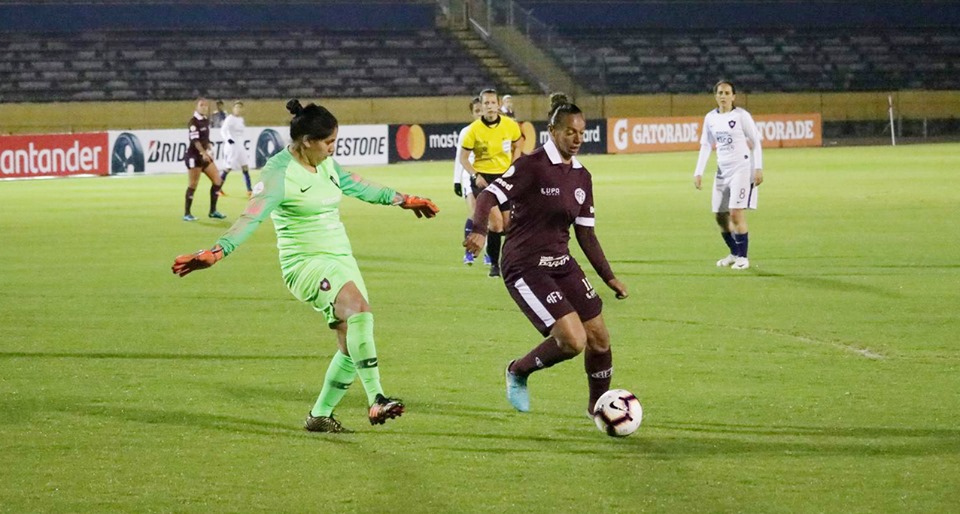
493,140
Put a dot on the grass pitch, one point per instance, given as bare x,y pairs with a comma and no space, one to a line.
823,379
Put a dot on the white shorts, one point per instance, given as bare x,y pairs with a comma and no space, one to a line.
236,157
735,191
465,183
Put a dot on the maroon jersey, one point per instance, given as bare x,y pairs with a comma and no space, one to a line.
547,196
199,127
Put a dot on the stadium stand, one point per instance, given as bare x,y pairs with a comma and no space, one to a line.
646,61
169,65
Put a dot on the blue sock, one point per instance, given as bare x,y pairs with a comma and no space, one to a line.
742,241
731,244
223,177
467,227
246,178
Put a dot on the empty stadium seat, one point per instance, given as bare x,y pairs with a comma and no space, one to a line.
170,65
644,61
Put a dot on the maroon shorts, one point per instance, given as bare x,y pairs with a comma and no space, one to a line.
195,160
546,294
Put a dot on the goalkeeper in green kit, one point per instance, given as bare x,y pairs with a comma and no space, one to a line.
301,188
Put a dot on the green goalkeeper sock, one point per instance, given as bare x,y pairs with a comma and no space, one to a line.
340,375
363,351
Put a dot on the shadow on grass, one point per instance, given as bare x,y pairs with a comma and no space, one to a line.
664,443
792,430
855,348
830,284
232,424
148,356
494,431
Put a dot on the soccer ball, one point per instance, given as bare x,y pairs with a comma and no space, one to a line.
618,413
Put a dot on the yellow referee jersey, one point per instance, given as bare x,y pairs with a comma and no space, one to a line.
491,144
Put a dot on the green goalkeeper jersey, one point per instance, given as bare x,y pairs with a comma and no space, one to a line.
305,208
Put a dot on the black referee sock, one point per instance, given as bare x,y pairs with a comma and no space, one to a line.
493,247
188,200
214,196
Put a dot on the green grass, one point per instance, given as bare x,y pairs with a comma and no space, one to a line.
823,379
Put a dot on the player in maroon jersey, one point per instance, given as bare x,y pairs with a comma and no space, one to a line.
199,159
550,190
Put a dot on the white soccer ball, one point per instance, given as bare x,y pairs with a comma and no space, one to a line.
618,413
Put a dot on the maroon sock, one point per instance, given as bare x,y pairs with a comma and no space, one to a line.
188,200
599,368
546,354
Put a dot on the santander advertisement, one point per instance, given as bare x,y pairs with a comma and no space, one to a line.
636,135
54,155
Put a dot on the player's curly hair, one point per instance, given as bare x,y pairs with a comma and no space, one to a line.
560,108
556,100
312,122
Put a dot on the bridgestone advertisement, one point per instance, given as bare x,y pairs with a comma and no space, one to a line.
163,151
438,141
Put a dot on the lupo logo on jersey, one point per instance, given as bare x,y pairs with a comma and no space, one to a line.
269,144
411,142
127,155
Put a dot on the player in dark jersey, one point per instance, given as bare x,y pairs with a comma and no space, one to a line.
550,190
199,159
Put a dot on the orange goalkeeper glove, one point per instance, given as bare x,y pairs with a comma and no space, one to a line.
420,206
184,264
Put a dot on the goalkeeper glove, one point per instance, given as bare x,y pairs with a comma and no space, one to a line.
420,206
184,264
458,189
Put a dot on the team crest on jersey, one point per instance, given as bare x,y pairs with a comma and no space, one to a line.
732,123
324,285
580,195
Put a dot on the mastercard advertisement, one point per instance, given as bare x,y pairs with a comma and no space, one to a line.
438,141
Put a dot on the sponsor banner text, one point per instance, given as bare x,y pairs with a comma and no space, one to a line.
636,135
53,155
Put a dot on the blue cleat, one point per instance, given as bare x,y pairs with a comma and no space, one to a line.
189,217
486,260
517,393
468,258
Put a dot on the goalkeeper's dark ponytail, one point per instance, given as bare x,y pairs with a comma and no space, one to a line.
310,122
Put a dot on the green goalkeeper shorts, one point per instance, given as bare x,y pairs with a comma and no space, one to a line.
317,281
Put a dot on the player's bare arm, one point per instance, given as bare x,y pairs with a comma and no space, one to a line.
467,165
